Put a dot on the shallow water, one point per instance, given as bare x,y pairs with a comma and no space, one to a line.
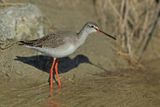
126,88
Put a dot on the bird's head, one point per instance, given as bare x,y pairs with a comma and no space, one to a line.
91,27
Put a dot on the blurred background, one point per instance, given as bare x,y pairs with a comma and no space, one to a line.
101,73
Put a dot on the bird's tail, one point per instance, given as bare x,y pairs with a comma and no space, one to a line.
25,43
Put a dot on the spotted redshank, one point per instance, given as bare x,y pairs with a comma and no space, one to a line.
62,44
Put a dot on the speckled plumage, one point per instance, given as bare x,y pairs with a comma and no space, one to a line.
52,40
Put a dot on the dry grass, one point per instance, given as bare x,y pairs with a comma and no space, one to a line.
134,21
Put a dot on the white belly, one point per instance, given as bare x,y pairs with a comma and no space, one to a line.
58,52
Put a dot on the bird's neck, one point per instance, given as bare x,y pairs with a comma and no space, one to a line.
82,36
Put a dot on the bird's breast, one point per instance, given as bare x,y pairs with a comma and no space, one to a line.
61,51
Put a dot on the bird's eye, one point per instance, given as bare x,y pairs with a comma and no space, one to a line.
92,26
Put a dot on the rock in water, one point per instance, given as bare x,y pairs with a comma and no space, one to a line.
21,22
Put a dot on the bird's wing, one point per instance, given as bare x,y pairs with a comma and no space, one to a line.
51,40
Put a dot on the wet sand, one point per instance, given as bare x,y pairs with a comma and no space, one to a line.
120,88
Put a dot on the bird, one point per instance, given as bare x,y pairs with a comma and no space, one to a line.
62,44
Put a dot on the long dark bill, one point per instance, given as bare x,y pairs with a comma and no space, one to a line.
107,34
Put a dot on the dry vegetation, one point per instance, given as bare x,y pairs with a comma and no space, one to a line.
135,22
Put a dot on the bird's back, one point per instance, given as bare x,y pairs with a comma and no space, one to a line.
52,40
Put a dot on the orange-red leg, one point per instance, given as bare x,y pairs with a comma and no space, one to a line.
51,75
56,70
